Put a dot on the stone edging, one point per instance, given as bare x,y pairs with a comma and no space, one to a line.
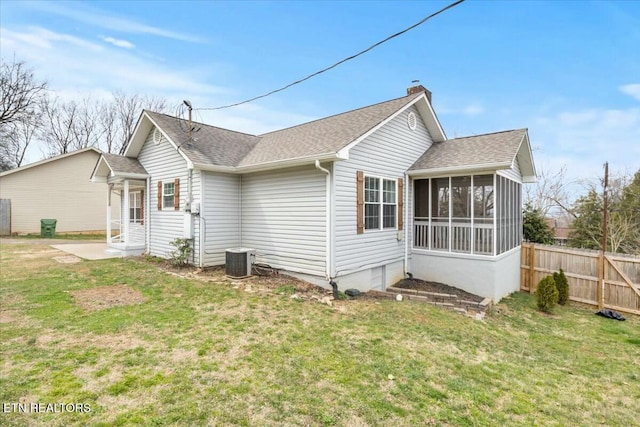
446,301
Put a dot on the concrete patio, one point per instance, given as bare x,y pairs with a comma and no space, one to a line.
91,251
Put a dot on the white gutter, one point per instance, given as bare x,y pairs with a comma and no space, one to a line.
214,168
406,223
488,167
147,214
201,236
130,175
327,238
277,164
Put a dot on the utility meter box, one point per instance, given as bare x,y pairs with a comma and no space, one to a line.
188,227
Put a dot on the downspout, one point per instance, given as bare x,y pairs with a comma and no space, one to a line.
201,232
147,214
406,223
327,239
188,210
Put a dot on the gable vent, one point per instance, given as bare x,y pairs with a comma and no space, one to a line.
412,121
157,136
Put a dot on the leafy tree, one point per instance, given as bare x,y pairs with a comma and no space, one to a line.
535,228
586,229
623,223
546,294
562,284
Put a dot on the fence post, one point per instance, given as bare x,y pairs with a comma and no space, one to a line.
532,260
601,281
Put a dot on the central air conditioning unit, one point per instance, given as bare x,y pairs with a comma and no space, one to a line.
238,262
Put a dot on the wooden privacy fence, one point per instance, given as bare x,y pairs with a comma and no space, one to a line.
609,281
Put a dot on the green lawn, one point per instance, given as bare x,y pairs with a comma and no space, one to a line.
204,353
65,236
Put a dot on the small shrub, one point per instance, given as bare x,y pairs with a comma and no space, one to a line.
547,294
563,287
180,256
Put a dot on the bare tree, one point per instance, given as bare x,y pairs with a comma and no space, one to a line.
59,121
15,139
27,114
108,121
129,108
19,111
87,132
20,91
70,125
550,192
623,232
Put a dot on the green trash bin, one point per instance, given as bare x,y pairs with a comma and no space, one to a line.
48,228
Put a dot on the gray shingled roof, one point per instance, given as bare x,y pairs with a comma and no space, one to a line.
222,147
324,136
210,145
123,164
499,147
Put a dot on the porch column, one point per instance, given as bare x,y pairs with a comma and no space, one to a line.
125,218
109,187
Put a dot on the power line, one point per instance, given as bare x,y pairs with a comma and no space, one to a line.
324,70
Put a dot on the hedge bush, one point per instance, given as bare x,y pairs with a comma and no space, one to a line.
547,294
563,287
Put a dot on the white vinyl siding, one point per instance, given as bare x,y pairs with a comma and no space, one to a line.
284,218
514,173
388,153
220,215
58,189
163,163
196,189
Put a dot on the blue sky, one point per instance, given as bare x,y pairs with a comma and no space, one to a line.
567,70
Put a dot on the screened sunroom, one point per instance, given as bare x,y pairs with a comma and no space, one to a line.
467,212
473,214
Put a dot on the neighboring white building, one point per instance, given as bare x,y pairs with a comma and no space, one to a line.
361,198
56,188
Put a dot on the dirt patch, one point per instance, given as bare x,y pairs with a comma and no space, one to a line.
69,259
103,297
273,281
6,317
440,288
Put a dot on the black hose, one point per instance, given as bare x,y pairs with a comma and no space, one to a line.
334,285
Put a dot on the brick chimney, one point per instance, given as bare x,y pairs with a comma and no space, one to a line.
419,88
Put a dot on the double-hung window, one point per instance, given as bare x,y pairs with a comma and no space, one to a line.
380,203
168,193
135,207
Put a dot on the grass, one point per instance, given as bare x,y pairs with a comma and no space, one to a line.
201,353
65,236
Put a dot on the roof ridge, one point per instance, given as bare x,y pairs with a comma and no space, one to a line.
50,159
344,112
201,123
486,134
